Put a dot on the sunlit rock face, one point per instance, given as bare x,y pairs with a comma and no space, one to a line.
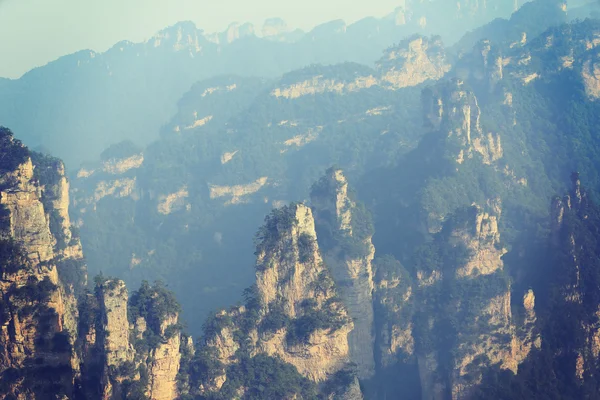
117,349
164,363
293,285
117,352
291,273
453,109
59,340
487,333
113,177
412,62
42,269
352,270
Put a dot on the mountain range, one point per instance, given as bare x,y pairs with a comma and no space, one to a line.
412,219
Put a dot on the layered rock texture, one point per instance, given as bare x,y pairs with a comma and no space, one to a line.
452,108
41,269
349,255
294,313
58,341
455,321
452,311
414,61
292,278
139,338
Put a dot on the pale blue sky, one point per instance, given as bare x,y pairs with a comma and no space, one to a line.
33,32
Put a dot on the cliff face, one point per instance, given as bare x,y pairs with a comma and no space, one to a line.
349,254
58,340
294,315
292,278
114,177
115,327
564,49
142,357
452,108
164,363
41,266
576,305
472,306
394,303
409,63
412,62
458,142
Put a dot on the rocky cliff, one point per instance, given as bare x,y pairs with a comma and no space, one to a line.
41,271
139,338
563,348
576,303
412,62
345,237
470,327
292,278
293,312
394,305
564,49
58,340
453,109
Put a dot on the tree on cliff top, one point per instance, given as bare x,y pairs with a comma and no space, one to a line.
12,151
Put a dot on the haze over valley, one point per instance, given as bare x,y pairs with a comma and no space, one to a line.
403,206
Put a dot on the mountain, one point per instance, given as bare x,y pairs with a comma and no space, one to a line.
87,101
413,246
323,312
529,21
58,339
239,146
42,271
236,148
62,340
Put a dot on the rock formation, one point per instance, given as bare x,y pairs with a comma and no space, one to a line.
58,340
394,302
470,327
295,314
42,267
576,305
140,339
349,254
412,62
451,108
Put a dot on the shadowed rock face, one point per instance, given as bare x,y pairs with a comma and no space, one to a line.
453,109
576,305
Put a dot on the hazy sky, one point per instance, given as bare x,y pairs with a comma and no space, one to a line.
33,32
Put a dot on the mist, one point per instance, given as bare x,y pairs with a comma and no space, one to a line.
43,31
283,200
